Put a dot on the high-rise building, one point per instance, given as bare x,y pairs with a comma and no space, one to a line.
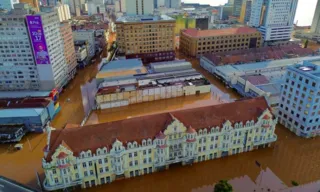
194,42
8,4
32,3
150,38
273,18
172,3
139,7
86,35
315,27
299,105
96,7
31,51
245,11
75,7
69,50
63,12
237,5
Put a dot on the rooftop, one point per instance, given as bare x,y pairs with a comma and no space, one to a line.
32,112
257,54
144,18
118,65
24,103
309,67
144,127
22,94
219,32
10,129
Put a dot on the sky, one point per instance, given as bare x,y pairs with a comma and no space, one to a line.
304,13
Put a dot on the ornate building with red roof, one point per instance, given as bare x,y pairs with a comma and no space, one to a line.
97,154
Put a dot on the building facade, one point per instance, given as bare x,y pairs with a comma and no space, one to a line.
158,141
315,26
245,11
299,104
69,50
274,18
63,12
150,38
195,42
86,35
237,5
8,4
22,65
139,7
172,3
96,7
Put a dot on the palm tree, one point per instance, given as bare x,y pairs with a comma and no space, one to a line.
223,186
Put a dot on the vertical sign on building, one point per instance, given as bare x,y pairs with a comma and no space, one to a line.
36,33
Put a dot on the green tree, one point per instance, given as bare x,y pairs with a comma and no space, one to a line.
223,186
294,183
306,43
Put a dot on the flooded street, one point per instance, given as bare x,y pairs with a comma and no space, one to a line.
292,158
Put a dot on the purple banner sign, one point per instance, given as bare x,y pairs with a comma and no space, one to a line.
39,44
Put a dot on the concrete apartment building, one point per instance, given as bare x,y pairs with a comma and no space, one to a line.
237,5
96,7
86,35
171,3
195,42
150,38
36,62
69,50
139,7
158,141
299,105
274,19
63,12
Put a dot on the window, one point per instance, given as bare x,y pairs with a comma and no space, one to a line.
91,172
54,171
100,161
101,170
90,163
149,151
56,180
105,160
135,154
84,164
85,173
77,175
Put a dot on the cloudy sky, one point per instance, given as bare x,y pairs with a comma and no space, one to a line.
304,13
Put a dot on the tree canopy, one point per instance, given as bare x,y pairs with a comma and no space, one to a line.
223,186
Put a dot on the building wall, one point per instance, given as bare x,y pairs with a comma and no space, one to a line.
315,26
245,11
196,46
69,50
96,7
178,145
152,94
63,12
274,18
139,7
299,104
145,37
54,75
237,4
86,35
17,65
8,4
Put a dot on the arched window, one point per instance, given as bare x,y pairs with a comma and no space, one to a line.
129,145
143,142
205,131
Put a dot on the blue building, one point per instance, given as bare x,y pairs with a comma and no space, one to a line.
299,104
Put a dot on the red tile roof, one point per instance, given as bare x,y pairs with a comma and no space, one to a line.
92,137
219,32
257,54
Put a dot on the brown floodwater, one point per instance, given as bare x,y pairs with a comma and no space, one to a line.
291,158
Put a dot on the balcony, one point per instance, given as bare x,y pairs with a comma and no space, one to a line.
267,140
61,186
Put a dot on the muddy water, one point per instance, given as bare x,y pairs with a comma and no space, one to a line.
292,158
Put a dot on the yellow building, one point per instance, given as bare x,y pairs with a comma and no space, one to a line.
195,42
146,37
96,154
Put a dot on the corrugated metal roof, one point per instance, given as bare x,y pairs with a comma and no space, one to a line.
33,112
121,65
22,94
